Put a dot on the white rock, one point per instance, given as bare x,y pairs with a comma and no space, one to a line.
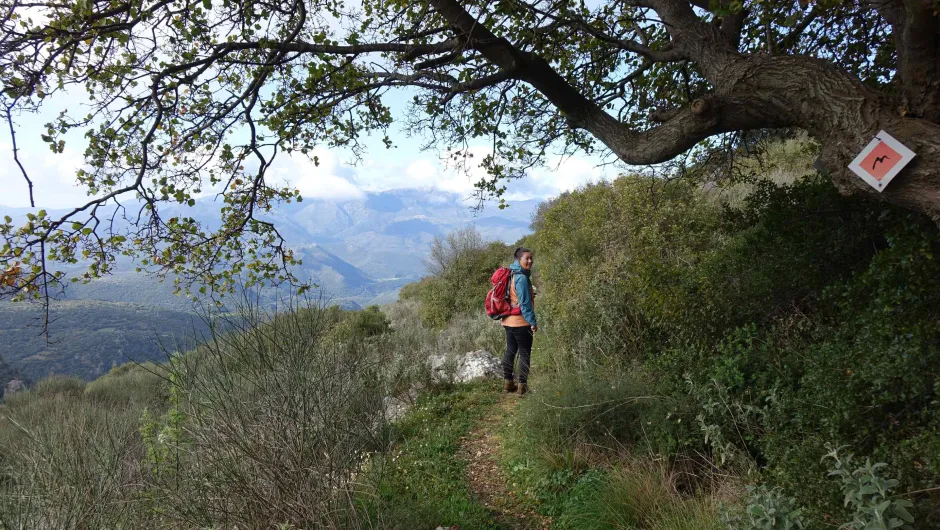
479,364
467,367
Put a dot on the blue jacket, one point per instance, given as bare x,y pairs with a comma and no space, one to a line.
521,281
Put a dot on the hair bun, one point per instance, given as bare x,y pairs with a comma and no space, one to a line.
519,252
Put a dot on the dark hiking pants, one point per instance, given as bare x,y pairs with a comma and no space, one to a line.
518,340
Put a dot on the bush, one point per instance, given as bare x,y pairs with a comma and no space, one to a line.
604,411
64,387
637,494
793,318
765,509
472,332
268,424
869,493
411,291
586,453
461,264
368,322
128,385
614,265
68,463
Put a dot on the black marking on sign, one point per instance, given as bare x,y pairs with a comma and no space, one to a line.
879,159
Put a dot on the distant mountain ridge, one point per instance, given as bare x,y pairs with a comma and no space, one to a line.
357,250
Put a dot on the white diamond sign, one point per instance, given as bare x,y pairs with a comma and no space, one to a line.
882,159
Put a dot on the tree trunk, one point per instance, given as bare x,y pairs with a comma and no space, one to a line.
764,91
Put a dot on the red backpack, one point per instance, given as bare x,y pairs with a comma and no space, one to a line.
497,302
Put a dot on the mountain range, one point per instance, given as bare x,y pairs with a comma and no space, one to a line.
358,251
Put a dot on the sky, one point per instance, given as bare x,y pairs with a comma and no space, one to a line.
338,176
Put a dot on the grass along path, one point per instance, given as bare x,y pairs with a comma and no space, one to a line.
449,472
423,480
480,449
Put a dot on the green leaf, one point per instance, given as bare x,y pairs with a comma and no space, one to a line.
900,508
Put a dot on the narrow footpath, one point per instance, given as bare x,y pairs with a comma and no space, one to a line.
480,449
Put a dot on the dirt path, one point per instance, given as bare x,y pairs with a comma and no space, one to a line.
480,449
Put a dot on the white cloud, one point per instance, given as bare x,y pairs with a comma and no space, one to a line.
332,178
319,180
423,172
559,174
459,176
53,177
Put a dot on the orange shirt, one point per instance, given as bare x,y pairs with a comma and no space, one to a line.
517,321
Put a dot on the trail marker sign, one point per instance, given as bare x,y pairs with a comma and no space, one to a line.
882,159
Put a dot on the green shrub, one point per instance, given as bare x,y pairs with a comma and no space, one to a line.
368,322
866,491
765,509
604,411
66,387
613,262
795,318
461,264
869,494
412,291
130,384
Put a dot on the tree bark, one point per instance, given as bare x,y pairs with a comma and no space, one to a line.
915,27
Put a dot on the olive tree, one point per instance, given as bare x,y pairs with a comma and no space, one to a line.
195,95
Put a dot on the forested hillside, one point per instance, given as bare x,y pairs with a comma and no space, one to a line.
7,374
88,338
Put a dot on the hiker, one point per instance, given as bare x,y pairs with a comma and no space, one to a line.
520,324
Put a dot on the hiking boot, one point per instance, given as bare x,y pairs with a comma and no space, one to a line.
509,386
523,388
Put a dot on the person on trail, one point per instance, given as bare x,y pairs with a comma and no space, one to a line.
520,325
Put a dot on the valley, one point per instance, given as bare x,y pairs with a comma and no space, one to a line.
358,252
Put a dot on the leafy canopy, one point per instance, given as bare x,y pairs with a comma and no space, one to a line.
187,98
